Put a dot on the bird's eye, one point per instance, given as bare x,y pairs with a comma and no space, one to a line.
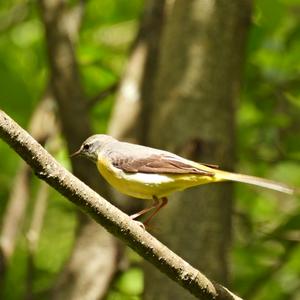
86,147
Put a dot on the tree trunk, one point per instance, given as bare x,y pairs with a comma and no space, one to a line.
192,113
93,243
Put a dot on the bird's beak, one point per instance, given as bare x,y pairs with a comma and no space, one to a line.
78,152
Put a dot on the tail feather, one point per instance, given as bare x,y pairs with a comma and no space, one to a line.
266,183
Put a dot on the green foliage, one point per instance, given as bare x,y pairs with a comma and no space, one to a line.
266,256
108,30
54,247
128,285
268,136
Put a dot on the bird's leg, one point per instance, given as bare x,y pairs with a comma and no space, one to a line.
155,204
164,202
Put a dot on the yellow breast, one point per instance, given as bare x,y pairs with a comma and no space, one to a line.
146,185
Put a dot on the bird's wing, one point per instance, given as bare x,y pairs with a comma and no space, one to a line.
159,164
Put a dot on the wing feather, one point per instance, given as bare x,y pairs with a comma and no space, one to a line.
159,164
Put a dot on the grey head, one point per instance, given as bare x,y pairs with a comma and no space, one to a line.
93,145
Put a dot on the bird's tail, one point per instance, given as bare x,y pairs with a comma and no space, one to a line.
266,183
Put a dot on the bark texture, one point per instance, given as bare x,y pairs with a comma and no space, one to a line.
192,113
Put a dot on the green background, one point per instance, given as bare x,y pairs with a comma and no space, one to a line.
265,260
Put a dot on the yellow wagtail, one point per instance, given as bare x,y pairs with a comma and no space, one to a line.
148,173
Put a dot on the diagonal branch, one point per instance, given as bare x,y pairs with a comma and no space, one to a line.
110,217
102,95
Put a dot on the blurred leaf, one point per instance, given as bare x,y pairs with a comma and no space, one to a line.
131,282
289,229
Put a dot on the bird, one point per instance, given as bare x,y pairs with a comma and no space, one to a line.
149,173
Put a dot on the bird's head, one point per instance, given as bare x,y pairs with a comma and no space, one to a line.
91,147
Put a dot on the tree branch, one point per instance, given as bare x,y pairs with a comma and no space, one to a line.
102,95
110,217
